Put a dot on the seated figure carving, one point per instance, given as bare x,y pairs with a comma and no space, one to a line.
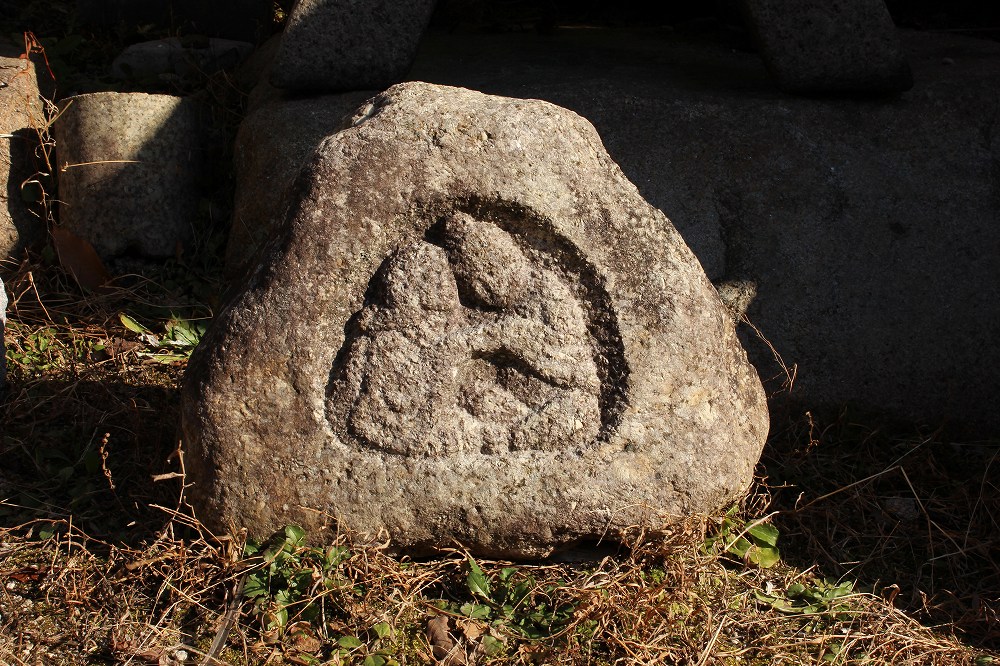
468,344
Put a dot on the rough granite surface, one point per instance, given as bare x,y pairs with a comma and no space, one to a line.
272,143
349,44
829,47
129,171
471,329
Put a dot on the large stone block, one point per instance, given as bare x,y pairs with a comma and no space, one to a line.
129,167
349,44
471,328
824,47
21,116
870,226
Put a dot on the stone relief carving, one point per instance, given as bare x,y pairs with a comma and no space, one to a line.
472,340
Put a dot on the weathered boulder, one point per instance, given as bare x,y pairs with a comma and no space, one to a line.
21,115
129,169
471,328
349,44
824,47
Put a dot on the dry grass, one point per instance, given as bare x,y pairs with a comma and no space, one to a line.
915,511
100,564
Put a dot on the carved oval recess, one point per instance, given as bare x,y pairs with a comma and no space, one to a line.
490,334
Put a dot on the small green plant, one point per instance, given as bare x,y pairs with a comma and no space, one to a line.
351,649
299,593
36,351
179,338
50,348
754,542
814,598
292,580
514,601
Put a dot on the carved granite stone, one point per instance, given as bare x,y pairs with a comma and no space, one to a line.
471,302
470,329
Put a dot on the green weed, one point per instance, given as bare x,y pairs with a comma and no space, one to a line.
514,601
292,581
814,597
301,592
179,338
754,542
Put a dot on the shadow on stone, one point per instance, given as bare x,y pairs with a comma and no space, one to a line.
21,117
27,228
131,168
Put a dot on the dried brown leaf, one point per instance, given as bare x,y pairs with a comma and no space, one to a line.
443,645
79,258
303,638
471,629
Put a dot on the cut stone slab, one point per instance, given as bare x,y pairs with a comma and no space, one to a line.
129,171
349,44
21,115
871,227
829,47
472,329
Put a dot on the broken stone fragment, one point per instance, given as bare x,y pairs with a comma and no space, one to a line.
471,329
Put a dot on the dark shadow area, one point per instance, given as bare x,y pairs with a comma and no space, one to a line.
24,189
87,451
246,20
542,15
90,413
970,17
908,513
